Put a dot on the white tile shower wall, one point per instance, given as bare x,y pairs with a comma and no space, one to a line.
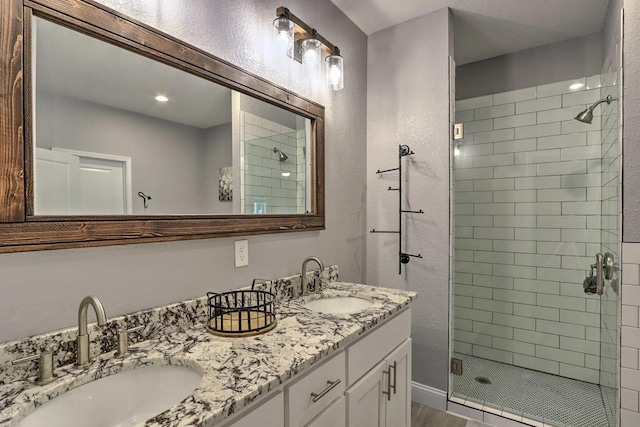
528,224
269,185
630,342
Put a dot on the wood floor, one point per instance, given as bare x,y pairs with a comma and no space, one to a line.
423,416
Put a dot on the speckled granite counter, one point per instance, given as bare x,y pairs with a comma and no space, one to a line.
235,371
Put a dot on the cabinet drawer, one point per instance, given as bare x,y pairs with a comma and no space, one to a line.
267,414
333,416
301,405
365,353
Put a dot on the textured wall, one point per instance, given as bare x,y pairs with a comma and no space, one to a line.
41,290
555,62
408,103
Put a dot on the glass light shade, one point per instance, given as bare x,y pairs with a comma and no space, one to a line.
311,55
285,35
335,72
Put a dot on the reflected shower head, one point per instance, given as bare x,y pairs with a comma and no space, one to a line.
587,115
281,156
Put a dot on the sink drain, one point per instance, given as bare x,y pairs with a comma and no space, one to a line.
483,380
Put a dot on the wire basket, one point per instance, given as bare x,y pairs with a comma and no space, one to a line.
242,313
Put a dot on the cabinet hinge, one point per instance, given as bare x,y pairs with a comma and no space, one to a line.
456,366
458,131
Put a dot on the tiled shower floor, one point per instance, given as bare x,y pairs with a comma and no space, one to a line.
534,395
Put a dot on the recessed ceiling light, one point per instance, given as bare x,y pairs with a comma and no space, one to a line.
576,86
161,98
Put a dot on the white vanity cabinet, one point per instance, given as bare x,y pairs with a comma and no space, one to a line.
366,385
382,395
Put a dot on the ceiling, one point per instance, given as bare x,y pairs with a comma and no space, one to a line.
78,66
488,28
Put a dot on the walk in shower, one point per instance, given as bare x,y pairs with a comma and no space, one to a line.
536,198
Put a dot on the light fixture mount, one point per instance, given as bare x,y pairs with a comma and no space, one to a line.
303,34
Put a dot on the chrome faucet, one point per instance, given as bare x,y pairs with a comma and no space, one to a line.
305,283
83,336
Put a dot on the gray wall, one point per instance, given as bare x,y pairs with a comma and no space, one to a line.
552,63
408,103
164,155
216,154
631,132
41,290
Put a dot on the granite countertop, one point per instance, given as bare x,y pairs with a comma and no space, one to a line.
235,371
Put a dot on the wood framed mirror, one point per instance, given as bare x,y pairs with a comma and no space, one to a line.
114,133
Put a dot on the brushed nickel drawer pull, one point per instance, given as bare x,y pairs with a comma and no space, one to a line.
395,377
331,385
387,372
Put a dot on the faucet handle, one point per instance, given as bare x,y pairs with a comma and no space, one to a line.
45,366
123,340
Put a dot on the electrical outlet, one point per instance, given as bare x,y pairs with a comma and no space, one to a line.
242,253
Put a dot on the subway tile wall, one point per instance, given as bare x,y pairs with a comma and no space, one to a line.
269,186
630,342
528,189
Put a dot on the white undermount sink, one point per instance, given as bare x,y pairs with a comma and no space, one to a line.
339,304
124,399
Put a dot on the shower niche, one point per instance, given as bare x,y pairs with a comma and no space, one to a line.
403,257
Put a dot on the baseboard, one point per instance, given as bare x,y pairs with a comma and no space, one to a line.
429,396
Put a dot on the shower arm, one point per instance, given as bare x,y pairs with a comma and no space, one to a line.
609,99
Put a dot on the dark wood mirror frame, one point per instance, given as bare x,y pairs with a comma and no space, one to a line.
20,230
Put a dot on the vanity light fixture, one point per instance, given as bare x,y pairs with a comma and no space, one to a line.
161,98
305,45
311,54
335,70
285,37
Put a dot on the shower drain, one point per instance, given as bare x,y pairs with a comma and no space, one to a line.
483,380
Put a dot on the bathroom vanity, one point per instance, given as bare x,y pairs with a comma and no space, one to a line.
366,384
313,369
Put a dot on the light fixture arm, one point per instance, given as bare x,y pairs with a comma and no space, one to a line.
304,31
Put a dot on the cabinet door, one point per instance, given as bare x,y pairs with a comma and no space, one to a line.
333,416
365,399
398,410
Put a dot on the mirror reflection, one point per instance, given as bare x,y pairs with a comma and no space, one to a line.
118,133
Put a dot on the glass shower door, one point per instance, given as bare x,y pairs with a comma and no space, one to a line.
610,239
533,198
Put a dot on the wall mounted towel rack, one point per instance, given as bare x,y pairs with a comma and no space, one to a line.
403,257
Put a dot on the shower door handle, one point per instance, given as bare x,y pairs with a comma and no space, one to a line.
599,274
604,270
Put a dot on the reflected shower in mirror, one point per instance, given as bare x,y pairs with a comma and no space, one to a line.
110,124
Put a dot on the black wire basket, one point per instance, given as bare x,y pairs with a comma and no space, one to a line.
241,313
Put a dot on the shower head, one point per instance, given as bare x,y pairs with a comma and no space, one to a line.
281,156
587,115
